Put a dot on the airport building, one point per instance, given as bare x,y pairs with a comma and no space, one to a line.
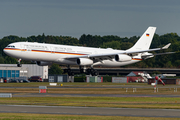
27,70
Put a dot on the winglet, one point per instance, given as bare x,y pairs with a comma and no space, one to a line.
166,46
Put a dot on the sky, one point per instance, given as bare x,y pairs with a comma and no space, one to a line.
124,18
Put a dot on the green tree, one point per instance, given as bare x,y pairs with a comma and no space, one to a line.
177,63
126,45
2,60
10,60
113,44
55,69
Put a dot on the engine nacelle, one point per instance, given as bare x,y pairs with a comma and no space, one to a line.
41,63
122,58
84,61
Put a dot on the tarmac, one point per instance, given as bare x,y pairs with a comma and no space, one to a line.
68,110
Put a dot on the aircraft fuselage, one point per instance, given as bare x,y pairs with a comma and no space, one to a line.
58,53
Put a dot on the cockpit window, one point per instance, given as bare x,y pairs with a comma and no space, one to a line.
9,46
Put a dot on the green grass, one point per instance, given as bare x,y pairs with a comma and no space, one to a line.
123,102
24,116
118,102
99,90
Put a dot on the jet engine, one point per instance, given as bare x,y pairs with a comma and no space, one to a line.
122,58
41,63
84,61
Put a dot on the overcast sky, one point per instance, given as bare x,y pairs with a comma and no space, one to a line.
124,18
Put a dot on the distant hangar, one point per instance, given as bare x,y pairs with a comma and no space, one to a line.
27,70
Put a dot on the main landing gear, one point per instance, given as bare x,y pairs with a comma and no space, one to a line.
69,71
19,63
89,71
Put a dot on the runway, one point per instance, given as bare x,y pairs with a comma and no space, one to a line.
134,112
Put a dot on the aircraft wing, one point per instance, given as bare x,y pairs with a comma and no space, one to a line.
111,55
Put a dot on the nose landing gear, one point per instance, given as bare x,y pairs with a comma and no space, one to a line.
19,63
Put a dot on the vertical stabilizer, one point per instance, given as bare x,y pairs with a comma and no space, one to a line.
145,40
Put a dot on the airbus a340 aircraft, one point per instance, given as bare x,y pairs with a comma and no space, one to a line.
46,54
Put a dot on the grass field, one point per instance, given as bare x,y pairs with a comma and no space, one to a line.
74,88
118,102
23,116
97,90
87,88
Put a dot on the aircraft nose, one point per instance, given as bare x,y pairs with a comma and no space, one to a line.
5,50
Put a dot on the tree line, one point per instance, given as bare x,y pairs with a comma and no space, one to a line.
110,41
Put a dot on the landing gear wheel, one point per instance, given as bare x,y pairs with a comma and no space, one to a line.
91,71
70,73
68,70
19,65
81,70
88,71
95,73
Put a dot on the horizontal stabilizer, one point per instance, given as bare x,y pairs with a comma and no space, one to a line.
152,55
166,46
164,53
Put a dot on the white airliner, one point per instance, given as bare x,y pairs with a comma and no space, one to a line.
46,54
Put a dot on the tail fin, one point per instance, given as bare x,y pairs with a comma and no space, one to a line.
145,41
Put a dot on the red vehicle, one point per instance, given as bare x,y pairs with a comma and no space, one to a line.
35,79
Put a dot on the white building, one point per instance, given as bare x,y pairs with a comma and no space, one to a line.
27,70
